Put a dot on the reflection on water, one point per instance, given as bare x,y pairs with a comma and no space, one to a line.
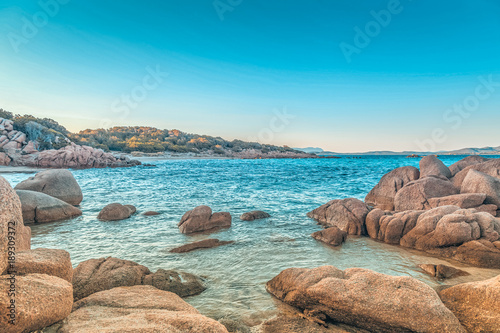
237,273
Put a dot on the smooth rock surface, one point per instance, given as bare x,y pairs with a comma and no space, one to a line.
478,182
116,212
415,195
432,166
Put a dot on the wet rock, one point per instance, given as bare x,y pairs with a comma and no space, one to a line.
180,283
358,297
116,212
39,207
466,200
57,183
254,215
382,195
201,219
348,215
478,182
96,275
415,195
234,326
41,300
11,216
142,309
490,167
45,261
475,304
466,162
331,236
204,244
150,213
432,166
283,324
442,271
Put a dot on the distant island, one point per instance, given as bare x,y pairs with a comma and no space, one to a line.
463,151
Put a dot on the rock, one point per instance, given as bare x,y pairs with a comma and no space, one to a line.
466,200
475,304
393,227
478,182
442,271
490,209
4,159
283,324
180,283
481,253
142,309
348,215
45,261
40,300
72,156
95,275
432,166
201,219
204,244
254,215
490,167
30,148
331,236
466,162
234,326
12,145
359,297
115,212
57,183
150,213
11,217
415,195
39,207
382,195
373,222
132,209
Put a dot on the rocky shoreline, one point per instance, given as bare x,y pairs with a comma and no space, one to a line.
446,212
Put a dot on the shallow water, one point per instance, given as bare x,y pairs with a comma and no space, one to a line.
237,273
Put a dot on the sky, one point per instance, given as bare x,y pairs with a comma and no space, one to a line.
343,75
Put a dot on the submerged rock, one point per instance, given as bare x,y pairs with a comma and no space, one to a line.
204,244
150,213
180,283
348,215
331,236
201,219
144,309
359,297
58,183
442,271
116,212
39,207
476,304
254,215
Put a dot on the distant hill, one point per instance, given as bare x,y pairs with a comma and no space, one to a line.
463,151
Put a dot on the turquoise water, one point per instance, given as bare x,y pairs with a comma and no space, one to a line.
237,273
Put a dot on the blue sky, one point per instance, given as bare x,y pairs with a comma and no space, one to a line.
273,71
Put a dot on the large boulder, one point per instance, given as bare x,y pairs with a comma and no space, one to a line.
57,183
254,215
382,195
415,195
466,162
478,182
201,219
433,166
475,304
348,215
331,236
359,297
39,207
465,200
95,275
116,212
4,159
481,253
395,226
40,300
11,220
490,167
142,309
180,283
203,244
45,261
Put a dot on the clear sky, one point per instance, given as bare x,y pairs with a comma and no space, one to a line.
344,75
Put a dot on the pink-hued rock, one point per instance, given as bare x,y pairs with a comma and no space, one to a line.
465,200
466,162
490,167
11,225
45,261
4,159
478,182
382,195
433,166
72,156
442,271
348,215
365,299
475,304
393,227
30,148
116,212
201,219
415,195
331,236
204,244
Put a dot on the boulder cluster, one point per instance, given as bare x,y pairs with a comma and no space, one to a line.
450,212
